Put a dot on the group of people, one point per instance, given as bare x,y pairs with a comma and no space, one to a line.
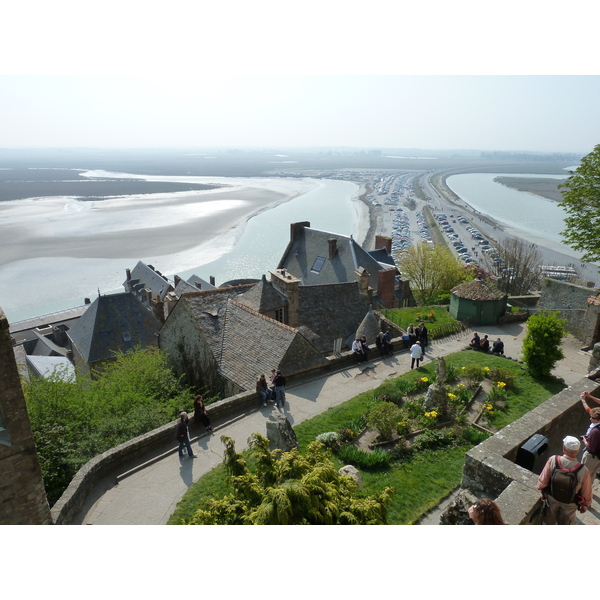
361,349
182,430
417,334
272,392
565,482
384,342
483,345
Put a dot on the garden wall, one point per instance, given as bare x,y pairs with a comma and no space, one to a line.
490,470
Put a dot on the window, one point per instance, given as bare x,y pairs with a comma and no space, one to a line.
280,315
317,265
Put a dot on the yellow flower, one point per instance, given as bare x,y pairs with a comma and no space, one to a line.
501,384
463,368
461,385
486,368
451,396
424,379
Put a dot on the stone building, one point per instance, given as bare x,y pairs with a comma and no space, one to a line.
223,345
112,324
322,258
22,494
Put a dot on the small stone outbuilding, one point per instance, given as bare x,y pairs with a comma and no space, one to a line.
478,302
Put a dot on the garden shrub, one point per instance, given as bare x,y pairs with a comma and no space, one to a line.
383,417
474,374
366,460
475,436
433,439
541,346
412,409
497,374
329,438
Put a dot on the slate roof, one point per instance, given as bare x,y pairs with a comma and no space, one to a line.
382,257
332,312
113,323
208,308
45,366
254,344
478,290
369,327
263,297
145,276
309,244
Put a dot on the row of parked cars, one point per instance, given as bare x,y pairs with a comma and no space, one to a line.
457,242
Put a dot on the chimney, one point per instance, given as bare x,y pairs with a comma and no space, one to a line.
362,277
383,241
288,285
158,307
332,247
128,274
148,296
212,281
176,280
386,283
295,229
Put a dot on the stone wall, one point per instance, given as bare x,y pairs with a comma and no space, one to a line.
490,470
22,494
570,301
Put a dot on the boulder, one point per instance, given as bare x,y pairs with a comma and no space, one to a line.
280,433
352,472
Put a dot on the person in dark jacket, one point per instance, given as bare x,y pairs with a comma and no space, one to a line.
201,414
183,434
498,347
485,344
279,383
423,336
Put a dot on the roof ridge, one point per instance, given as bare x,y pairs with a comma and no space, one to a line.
256,313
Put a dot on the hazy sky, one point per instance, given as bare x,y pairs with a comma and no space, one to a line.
329,73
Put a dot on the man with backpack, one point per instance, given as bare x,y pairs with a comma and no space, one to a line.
566,484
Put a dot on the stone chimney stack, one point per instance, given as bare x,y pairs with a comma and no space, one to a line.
362,277
386,284
176,280
158,307
289,286
383,241
148,297
127,280
332,247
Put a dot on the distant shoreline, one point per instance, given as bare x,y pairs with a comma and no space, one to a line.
546,188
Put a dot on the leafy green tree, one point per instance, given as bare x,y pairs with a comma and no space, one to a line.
581,202
288,488
541,346
431,270
74,420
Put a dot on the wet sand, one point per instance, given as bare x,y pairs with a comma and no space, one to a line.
150,224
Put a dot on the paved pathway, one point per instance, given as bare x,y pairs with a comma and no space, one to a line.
149,493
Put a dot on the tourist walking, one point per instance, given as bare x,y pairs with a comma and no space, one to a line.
201,414
566,485
183,434
279,382
416,353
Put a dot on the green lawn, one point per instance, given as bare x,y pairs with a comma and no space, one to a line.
421,479
443,322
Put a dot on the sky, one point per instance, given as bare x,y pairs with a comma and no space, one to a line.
511,113
129,74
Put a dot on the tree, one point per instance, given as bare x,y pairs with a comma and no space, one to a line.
541,346
520,271
581,202
288,488
431,271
